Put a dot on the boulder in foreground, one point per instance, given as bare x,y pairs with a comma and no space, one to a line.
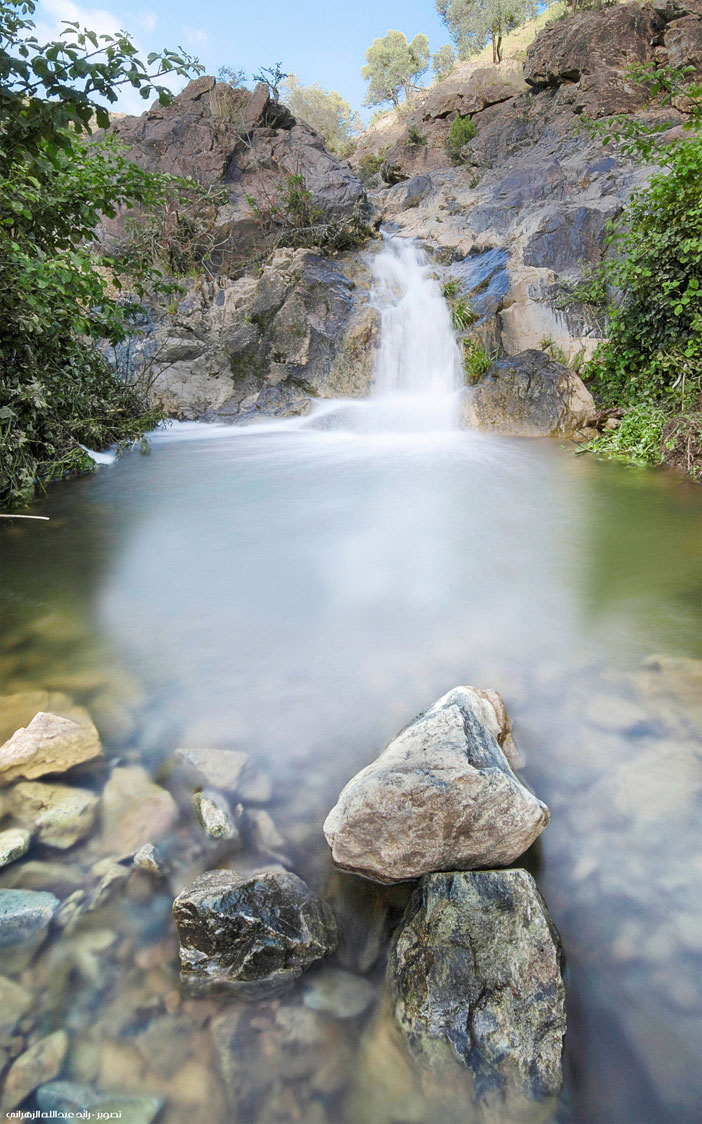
246,931
441,796
475,975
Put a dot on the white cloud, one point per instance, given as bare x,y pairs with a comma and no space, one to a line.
195,35
148,20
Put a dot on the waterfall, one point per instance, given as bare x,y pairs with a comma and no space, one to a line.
418,371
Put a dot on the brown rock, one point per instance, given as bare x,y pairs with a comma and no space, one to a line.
41,1062
613,39
135,811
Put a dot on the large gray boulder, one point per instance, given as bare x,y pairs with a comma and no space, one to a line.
529,395
475,977
246,931
441,796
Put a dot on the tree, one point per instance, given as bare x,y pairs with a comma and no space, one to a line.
472,24
325,110
272,76
443,61
58,290
394,66
234,76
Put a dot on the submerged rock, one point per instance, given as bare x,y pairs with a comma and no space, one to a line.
339,994
14,843
41,1062
24,916
529,395
213,816
227,769
49,744
72,1097
60,814
441,796
135,811
239,931
475,975
15,1002
150,859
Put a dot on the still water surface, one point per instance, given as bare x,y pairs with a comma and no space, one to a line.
301,594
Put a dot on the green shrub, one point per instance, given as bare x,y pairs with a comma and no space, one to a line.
415,137
370,166
461,131
638,438
476,360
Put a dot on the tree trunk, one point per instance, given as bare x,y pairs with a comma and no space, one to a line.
499,48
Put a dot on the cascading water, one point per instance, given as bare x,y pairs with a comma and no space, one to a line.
418,368
418,372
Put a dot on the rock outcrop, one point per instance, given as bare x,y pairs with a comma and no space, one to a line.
49,744
441,796
244,932
529,395
475,977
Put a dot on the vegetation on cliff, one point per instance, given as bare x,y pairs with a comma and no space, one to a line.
59,292
650,285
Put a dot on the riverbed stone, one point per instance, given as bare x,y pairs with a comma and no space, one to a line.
14,843
41,1062
214,816
441,796
475,976
150,859
339,994
229,770
239,931
60,814
20,707
74,1097
15,1002
135,811
49,744
24,916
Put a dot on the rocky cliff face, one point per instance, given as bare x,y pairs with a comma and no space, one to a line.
527,207
524,210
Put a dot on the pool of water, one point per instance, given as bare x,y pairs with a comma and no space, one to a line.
301,594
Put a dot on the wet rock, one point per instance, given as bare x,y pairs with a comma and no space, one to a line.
441,796
20,707
15,1002
41,1062
60,814
339,994
213,816
264,835
61,877
49,744
135,811
229,770
150,859
475,975
14,843
25,915
529,395
238,931
72,1097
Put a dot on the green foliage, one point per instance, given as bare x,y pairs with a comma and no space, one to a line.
59,293
370,166
295,220
272,76
472,24
325,110
415,137
652,280
553,349
461,131
394,67
476,360
443,62
638,439
451,289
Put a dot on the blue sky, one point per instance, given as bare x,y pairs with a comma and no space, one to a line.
318,40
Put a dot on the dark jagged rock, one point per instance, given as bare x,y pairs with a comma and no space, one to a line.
529,395
244,931
441,796
475,976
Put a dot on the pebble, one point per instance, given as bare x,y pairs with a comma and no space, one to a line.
14,843
41,1062
61,814
214,816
